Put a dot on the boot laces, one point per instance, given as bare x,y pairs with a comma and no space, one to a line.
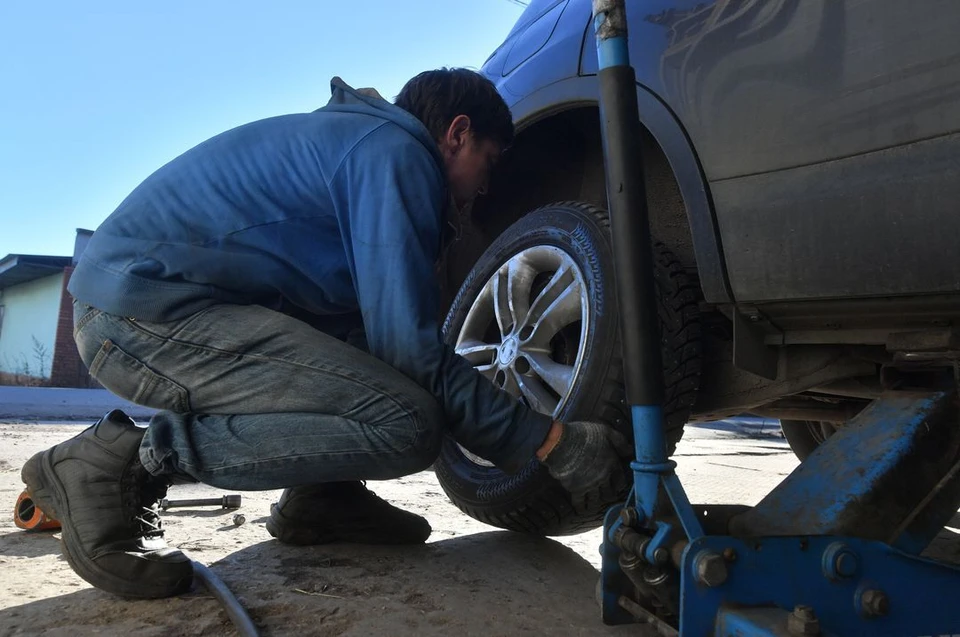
145,492
149,522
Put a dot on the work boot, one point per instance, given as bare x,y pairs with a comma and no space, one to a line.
342,512
95,485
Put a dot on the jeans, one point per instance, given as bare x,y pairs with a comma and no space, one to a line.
254,399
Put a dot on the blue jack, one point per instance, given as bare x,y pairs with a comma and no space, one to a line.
835,548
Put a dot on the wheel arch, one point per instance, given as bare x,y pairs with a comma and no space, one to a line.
558,156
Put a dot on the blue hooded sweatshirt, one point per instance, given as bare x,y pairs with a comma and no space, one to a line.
334,211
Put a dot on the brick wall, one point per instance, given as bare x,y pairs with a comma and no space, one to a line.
67,369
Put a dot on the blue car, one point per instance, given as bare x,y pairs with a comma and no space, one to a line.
802,174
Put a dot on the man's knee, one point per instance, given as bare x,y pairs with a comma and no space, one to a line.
428,422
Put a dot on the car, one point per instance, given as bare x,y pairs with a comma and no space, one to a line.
800,164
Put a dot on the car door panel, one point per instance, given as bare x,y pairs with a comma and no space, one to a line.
809,117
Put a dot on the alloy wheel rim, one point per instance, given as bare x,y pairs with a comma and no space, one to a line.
526,329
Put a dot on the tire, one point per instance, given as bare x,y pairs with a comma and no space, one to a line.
804,436
531,500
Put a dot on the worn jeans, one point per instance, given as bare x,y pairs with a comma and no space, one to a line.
255,399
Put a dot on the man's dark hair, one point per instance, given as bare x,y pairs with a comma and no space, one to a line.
437,97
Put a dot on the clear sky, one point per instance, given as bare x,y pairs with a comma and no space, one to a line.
94,96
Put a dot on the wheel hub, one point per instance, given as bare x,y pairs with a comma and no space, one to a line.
508,351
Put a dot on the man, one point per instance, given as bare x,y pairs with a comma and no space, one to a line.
339,213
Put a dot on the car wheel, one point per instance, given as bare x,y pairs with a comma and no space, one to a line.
804,436
546,288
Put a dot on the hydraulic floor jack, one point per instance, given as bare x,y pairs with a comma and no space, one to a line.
834,549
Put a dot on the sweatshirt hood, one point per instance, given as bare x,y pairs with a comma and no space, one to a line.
345,98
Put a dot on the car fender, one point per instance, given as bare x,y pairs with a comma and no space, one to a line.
667,131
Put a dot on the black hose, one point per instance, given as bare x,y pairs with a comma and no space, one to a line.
219,590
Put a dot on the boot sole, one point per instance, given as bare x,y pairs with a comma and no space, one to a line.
289,532
48,493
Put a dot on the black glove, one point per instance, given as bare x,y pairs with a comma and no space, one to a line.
588,461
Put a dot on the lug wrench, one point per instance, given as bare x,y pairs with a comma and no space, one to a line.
224,502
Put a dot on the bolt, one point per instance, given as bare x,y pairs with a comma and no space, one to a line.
845,563
630,541
710,568
630,517
661,555
239,519
839,561
875,603
806,613
803,621
729,554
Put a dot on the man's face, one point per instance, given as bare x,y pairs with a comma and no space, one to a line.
469,161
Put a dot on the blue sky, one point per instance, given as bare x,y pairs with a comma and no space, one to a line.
94,96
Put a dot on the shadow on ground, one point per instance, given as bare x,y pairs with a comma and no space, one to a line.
488,584
21,544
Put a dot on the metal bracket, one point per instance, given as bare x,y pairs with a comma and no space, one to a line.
851,586
750,350
613,583
927,346
938,340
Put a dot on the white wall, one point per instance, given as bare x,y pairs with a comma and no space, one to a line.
31,310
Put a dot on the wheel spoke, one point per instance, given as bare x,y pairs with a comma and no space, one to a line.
510,288
558,305
537,396
501,301
520,278
477,352
557,375
488,371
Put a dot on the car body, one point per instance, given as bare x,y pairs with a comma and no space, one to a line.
801,160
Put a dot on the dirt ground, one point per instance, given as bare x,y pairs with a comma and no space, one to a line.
469,579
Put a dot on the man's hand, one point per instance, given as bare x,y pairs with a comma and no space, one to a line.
587,459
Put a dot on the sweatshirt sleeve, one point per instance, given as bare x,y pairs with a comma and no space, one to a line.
390,194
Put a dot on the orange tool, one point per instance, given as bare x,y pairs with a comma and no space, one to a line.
28,516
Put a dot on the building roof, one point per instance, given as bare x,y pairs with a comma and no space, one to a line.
23,268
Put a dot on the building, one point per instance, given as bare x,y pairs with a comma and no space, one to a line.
36,320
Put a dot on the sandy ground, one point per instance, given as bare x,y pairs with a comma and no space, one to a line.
469,579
